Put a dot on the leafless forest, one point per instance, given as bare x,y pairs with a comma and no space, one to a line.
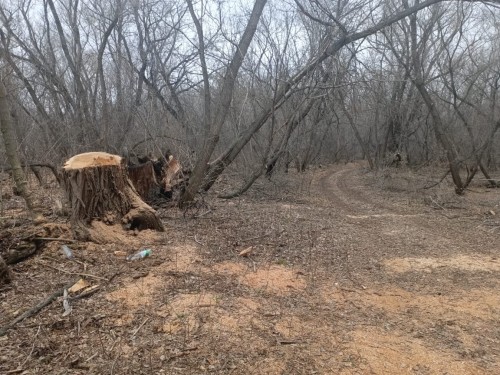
253,86
359,138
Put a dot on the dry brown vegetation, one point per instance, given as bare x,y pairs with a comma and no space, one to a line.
350,273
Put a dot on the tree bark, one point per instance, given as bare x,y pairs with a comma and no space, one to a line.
437,122
10,143
143,178
213,126
98,188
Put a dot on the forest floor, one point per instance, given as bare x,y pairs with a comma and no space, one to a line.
349,272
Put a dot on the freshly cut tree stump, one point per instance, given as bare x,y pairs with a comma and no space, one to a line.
98,188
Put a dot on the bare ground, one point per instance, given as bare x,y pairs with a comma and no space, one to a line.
348,273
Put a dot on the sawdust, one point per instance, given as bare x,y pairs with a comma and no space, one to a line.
461,262
187,302
394,353
275,279
189,309
182,258
138,292
115,234
188,324
475,304
243,312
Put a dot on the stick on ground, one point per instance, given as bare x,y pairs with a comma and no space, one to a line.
34,310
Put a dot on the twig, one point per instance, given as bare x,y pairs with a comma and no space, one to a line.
91,357
138,329
437,183
74,273
261,236
36,308
54,239
18,371
85,294
67,307
58,261
287,342
198,242
437,204
32,347
203,214
182,353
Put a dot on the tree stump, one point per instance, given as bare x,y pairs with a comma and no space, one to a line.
98,188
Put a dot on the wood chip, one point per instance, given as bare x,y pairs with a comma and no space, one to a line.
246,252
79,285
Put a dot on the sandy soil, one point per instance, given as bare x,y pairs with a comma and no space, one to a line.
349,273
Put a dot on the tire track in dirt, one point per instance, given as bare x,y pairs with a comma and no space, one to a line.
342,191
332,185
340,188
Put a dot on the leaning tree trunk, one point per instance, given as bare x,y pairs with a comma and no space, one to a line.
98,189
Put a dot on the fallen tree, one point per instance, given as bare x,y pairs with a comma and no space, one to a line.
98,188
158,179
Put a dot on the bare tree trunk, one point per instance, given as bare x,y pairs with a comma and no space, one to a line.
493,183
441,136
354,128
213,127
10,143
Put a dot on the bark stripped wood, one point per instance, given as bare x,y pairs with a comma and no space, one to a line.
171,177
158,179
98,188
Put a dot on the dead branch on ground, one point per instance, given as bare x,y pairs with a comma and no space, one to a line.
35,309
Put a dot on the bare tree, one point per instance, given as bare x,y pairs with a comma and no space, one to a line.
11,149
213,126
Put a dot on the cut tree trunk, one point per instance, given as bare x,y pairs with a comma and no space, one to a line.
98,188
143,178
